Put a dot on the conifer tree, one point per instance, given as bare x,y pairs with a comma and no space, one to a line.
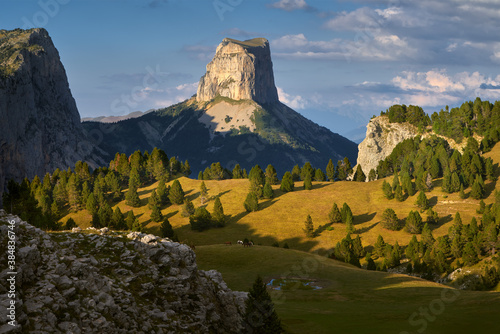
70,223
237,174
271,175
341,171
432,216
414,223
349,224
267,192
287,184
456,248
203,193
54,209
398,193
176,194
251,202
370,264
334,215
455,231
455,183
307,169
260,315
162,192
296,173
218,216
186,169
105,213
357,247
153,200
379,246
477,191
156,214
132,197
469,255
130,219
427,237
422,201
74,194
372,176
319,176
395,181
330,171
387,189
188,208
407,184
345,212
258,175
307,182
166,229
359,176
461,193
200,175
201,219
390,220
118,220
309,227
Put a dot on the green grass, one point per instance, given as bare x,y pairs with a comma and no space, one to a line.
352,300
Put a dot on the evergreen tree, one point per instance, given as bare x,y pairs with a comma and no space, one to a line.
461,193
176,194
395,181
455,183
387,189
456,248
105,213
296,173
446,185
349,225
357,247
216,171
307,182
334,215
455,231
372,176
309,227
118,220
130,219
398,193
359,176
470,255
319,176
54,209
74,193
200,175
287,184
132,197
218,216
162,192
203,192
370,264
379,246
345,212
427,237
306,170
237,174
260,315
412,250
271,175
251,202
70,224
201,219
156,214
166,229
477,191
267,192
186,169
153,200
330,171
188,208
414,223
422,201
390,220
257,175
432,216
407,184
341,171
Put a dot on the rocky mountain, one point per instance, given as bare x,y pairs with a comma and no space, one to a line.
40,126
236,117
114,119
104,282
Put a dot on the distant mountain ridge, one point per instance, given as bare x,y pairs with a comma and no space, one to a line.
114,119
235,118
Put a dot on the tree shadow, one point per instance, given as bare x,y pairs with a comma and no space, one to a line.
366,217
489,188
365,229
321,228
433,201
441,222
171,214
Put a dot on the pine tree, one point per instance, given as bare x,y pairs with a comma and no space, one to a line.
257,175
74,193
156,214
216,171
54,209
398,193
456,248
379,246
345,212
153,200
455,183
477,191
372,176
267,192
309,227
260,315
422,201
357,247
251,202
105,213
218,216
186,169
307,182
237,174
395,181
203,193
188,208
271,175
461,194
455,231
387,189
201,219
370,264
130,220
390,220
118,220
432,216
334,215
176,194
330,171
132,197
296,173
287,184
70,224
319,176
414,223
162,192
470,255
349,225
166,229
200,175
427,237
359,176
307,169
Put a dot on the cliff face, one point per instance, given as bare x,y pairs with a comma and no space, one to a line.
88,282
240,71
381,138
40,126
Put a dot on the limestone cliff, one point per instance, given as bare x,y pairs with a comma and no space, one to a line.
40,126
104,282
240,71
381,138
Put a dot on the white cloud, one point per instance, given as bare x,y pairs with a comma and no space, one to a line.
290,5
294,102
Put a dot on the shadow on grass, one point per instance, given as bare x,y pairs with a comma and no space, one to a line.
433,201
489,188
365,217
321,228
365,229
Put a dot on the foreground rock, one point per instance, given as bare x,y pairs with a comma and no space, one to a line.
90,283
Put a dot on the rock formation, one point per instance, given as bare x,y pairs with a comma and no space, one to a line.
381,138
87,282
240,71
40,126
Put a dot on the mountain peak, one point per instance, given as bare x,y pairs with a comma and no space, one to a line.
240,70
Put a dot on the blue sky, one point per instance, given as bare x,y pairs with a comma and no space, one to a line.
336,62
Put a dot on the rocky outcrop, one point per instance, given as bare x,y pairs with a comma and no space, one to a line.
85,282
240,71
40,126
381,138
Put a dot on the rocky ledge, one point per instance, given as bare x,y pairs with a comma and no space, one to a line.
109,282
